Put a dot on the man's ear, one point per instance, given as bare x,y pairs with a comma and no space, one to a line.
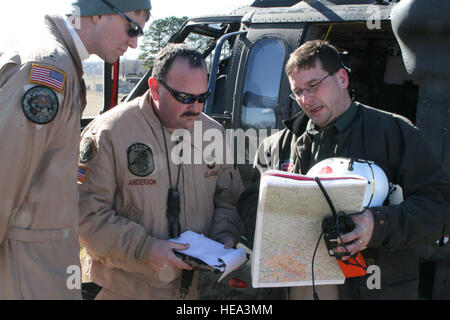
98,19
153,85
342,77
95,19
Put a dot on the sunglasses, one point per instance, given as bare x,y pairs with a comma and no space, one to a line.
186,98
135,29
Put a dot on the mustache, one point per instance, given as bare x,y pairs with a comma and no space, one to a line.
190,114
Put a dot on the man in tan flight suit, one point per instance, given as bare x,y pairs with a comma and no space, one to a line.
132,166
42,97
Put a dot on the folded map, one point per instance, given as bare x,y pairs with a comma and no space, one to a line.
291,208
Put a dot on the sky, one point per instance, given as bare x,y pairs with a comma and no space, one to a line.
18,16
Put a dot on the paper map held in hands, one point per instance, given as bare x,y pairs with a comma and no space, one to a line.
288,225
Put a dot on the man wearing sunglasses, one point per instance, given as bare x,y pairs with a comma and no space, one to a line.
139,189
332,125
42,98
108,28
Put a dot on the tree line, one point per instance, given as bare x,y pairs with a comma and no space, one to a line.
158,34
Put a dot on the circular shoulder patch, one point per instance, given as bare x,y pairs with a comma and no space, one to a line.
87,150
140,159
40,104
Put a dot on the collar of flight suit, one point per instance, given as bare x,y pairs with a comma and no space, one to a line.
57,23
58,27
81,48
155,124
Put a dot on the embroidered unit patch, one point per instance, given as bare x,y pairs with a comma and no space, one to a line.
40,104
140,160
287,165
87,150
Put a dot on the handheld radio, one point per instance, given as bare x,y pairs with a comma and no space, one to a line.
333,228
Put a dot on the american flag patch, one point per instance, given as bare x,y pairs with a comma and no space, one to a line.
82,173
47,76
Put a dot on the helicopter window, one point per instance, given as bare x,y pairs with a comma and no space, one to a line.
262,83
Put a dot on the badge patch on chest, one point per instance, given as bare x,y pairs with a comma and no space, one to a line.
140,160
287,165
40,104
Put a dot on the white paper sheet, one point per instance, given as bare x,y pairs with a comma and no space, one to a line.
212,252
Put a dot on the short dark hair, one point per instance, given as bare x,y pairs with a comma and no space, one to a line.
165,58
306,55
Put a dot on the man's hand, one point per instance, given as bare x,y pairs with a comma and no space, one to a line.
162,256
361,235
228,241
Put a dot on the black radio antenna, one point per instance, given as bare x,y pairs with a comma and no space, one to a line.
325,194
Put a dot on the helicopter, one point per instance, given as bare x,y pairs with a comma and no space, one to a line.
397,53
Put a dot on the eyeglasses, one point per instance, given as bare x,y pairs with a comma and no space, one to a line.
311,90
135,29
186,98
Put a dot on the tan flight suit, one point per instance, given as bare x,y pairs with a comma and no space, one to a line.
123,199
39,249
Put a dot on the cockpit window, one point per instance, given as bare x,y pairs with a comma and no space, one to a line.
262,83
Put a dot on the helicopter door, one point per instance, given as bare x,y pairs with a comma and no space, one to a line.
261,97
259,94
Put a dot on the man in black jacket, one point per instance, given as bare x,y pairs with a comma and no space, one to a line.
332,125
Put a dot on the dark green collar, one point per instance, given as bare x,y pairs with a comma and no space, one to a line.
340,124
346,118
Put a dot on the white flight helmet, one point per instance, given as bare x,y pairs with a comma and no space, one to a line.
378,187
